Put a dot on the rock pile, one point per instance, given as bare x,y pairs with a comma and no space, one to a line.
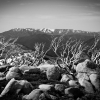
31,83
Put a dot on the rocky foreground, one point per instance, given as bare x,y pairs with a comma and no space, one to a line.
50,82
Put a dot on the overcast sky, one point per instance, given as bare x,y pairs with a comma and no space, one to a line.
63,14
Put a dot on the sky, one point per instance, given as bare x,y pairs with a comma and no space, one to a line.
53,14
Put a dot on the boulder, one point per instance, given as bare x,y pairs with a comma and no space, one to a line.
87,85
11,88
33,71
53,73
3,68
15,86
14,72
47,96
26,67
31,77
73,83
26,86
74,92
46,87
94,78
11,75
60,87
34,95
66,78
86,66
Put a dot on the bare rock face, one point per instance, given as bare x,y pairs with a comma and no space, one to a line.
53,73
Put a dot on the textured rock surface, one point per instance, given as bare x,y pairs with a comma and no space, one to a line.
53,73
46,87
66,78
34,95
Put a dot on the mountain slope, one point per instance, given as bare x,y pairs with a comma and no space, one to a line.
28,37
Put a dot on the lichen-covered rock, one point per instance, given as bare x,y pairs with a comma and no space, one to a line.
47,96
34,95
73,92
11,75
14,69
31,77
13,72
33,71
86,66
12,88
53,73
46,87
26,86
94,78
26,67
87,85
73,83
60,87
15,86
66,78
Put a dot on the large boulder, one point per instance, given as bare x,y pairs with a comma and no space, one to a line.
53,73
33,71
73,83
86,66
88,75
11,88
15,87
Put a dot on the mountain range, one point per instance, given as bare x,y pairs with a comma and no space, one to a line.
29,36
